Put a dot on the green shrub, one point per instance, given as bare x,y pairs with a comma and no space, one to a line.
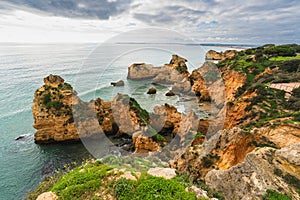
292,180
207,162
218,195
79,185
198,135
46,98
153,188
280,51
123,189
296,92
68,86
142,113
158,138
273,195
297,117
55,104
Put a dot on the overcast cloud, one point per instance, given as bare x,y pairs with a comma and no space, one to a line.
219,21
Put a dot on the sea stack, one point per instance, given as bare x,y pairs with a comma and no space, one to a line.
52,111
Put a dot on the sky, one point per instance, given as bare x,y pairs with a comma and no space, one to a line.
205,21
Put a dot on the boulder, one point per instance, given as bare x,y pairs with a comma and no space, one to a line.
129,176
119,83
151,91
200,193
166,173
47,196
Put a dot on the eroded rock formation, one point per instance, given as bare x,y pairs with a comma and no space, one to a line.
214,55
262,169
52,111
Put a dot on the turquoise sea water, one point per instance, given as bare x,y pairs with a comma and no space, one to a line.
90,69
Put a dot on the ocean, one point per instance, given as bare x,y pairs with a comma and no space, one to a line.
89,68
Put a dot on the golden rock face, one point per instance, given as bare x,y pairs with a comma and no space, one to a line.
52,111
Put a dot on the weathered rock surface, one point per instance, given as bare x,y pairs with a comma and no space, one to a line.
167,119
141,71
230,147
200,193
47,196
166,173
251,178
52,111
171,73
144,143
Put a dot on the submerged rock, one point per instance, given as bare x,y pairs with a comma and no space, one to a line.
119,83
170,93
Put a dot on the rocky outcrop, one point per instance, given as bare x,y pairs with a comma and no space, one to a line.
151,91
166,173
213,55
166,119
170,93
171,73
230,147
262,169
52,111
141,71
143,143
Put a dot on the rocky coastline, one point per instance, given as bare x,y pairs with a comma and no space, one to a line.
249,149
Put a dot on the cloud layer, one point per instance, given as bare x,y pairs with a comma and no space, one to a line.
253,21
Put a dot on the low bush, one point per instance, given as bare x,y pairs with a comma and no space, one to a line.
123,189
55,104
273,195
153,188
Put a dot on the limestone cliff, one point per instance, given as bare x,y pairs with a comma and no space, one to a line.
262,169
229,147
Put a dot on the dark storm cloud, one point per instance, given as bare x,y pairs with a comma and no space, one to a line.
101,9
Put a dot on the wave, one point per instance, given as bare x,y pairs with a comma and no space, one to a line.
15,112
